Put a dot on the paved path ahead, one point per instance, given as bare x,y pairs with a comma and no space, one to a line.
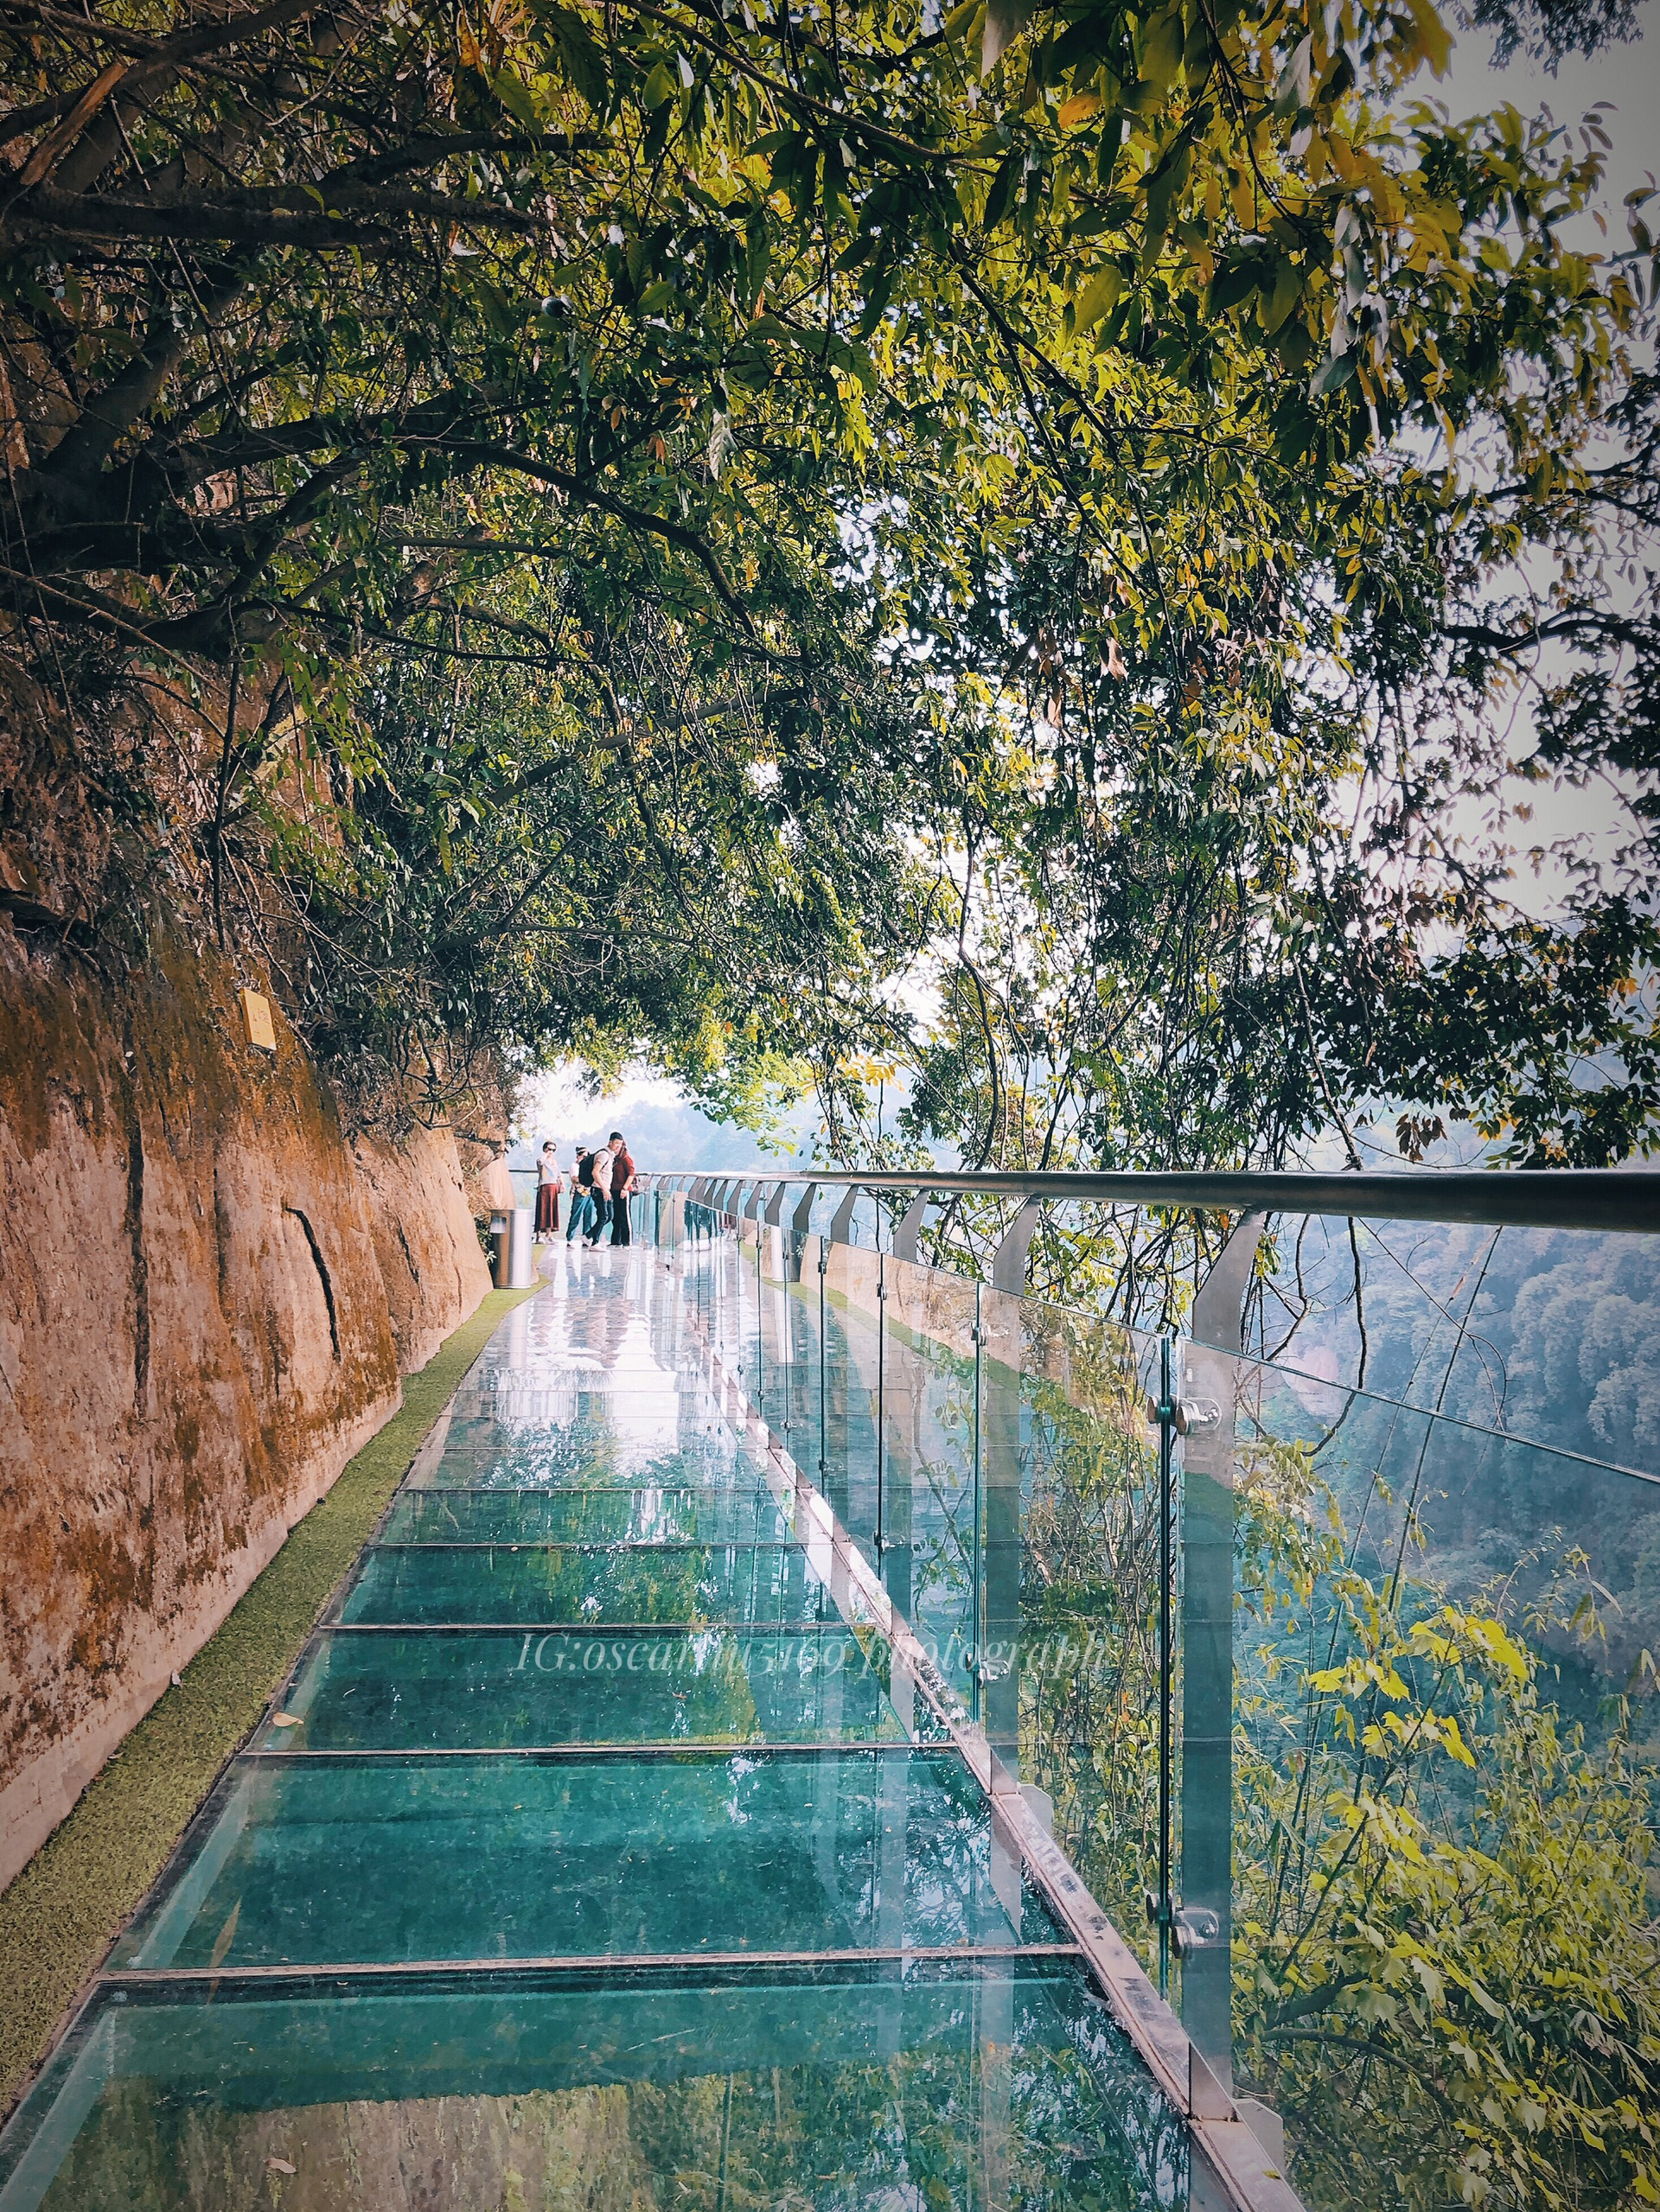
598,1852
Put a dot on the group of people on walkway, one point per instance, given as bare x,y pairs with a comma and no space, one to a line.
600,1185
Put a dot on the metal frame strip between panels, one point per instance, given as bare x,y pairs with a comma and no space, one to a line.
607,1962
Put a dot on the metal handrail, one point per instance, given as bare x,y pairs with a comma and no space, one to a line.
1214,1320
1544,1198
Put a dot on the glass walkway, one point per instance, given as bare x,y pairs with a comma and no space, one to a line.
604,1849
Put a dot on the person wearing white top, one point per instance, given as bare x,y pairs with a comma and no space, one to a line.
549,1184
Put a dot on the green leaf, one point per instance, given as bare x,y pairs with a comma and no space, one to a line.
1161,50
1232,281
1292,92
878,293
516,97
1002,192
1162,189
499,311
1435,41
1100,294
1005,20
581,59
1287,290
757,253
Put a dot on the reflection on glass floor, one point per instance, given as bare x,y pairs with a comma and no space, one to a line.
653,1584
594,1853
882,2087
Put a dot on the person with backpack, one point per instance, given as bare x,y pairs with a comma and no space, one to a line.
581,1196
601,1166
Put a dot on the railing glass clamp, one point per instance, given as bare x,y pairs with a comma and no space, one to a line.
1194,1928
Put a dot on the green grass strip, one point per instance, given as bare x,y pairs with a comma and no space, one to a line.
61,1913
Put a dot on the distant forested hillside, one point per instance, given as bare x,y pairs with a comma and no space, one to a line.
1549,1343
1552,1335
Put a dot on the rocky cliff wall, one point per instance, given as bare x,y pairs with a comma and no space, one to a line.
206,1296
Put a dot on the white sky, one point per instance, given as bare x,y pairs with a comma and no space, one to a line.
556,1105
1627,76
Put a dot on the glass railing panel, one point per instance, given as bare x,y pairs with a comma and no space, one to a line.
731,1311
775,1251
1003,1423
331,1862
849,1320
928,1508
704,1257
505,1690
544,1586
1075,1553
826,1199
739,1334
1444,1777
801,1431
1539,1333
868,1225
762,1349
846,2086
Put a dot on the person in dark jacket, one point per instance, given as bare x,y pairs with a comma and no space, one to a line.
621,1184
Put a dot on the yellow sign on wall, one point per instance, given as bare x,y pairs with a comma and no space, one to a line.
256,1020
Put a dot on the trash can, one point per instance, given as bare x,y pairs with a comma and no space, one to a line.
521,1266
502,1199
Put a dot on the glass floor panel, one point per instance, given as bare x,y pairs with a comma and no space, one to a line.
426,1583
647,1516
485,1453
372,1861
505,1690
638,2091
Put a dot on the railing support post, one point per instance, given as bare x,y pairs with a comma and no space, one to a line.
1009,1260
908,1232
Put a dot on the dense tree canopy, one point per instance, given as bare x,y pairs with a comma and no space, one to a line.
1010,545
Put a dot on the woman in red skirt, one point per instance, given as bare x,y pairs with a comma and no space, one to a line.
549,1184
